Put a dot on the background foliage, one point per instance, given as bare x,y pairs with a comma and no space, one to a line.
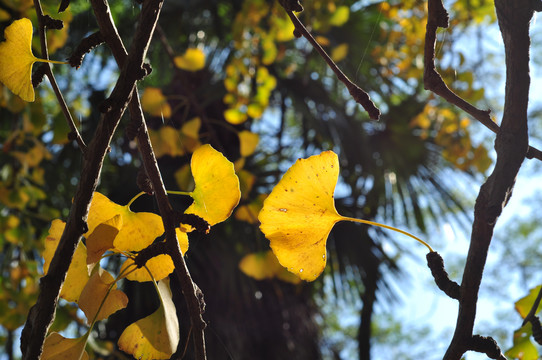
231,74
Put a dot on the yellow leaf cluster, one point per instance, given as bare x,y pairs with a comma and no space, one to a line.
192,60
155,103
170,141
261,266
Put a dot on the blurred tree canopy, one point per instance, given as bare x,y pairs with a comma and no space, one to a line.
232,74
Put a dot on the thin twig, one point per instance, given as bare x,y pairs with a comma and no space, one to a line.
432,80
357,93
52,80
190,95
511,146
534,308
110,33
42,313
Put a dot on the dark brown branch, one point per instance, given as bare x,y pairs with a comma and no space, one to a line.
357,93
534,308
42,21
438,17
84,47
486,345
436,264
42,313
153,250
511,146
192,297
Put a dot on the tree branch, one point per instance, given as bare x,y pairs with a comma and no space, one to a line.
511,145
46,68
191,295
359,95
42,313
438,17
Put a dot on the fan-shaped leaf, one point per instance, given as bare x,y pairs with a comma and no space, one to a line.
77,275
264,265
138,229
192,60
300,212
16,59
160,266
102,238
57,347
94,293
217,192
157,335
155,103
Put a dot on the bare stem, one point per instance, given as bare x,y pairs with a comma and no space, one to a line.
357,93
51,77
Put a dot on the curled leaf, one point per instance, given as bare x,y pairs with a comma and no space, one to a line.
57,347
102,238
160,266
96,290
138,229
77,275
216,191
157,335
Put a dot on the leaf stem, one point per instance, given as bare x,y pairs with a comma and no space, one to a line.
135,198
174,192
52,61
390,228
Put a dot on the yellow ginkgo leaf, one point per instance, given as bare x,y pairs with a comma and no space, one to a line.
247,142
264,265
57,347
157,335
99,287
160,266
217,187
250,211
192,60
300,212
339,52
183,178
138,229
235,116
246,182
77,275
190,135
340,16
16,59
166,141
155,103
102,238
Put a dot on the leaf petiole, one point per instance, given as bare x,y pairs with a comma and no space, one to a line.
390,228
52,61
135,198
173,192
